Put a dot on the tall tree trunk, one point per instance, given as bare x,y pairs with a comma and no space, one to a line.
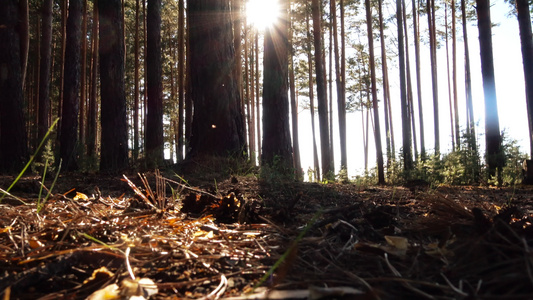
44,69
434,79
93,103
188,85
83,76
24,33
406,126
294,101
470,123
526,41
416,35
377,128
13,139
236,12
154,86
311,100
136,87
71,101
386,93
114,145
410,98
217,123
325,148
454,76
257,107
181,77
450,103
276,131
251,98
492,124
341,101
64,13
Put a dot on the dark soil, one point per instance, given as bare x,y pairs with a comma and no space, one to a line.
228,237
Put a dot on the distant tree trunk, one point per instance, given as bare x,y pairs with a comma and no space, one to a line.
24,33
294,102
377,128
325,148
526,41
410,98
217,127
454,76
257,107
406,126
13,139
93,101
188,85
276,130
251,98
64,8
136,92
418,81
470,123
83,76
434,80
450,103
181,77
386,92
44,68
114,145
237,39
311,100
154,86
492,124
69,128
341,101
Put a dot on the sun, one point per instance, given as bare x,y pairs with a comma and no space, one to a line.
262,13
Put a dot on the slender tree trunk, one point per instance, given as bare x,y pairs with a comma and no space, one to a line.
64,13
13,138
386,95
416,36
294,102
312,101
44,69
114,145
526,41
434,79
257,107
448,78
188,87
83,76
251,99
406,126
24,33
154,86
492,124
454,76
236,12
341,101
69,129
136,92
181,77
93,103
377,130
410,98
470,123
321,92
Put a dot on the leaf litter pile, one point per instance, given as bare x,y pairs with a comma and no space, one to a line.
151,237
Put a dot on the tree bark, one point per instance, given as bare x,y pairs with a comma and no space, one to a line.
434,79
181,77
24,33
470,123
294,102
416,35
312,100
526,41
93,101
492,124
277,149
341,101
377,128
13,139
114,145
217,127
69,115
406,126
44,68
325,147
154,86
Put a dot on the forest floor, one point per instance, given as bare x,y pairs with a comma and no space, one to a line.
242,237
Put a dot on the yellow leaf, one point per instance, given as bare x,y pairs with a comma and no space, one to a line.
81,196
